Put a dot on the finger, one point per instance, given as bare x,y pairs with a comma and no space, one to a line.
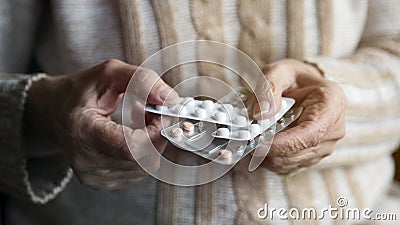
318,119
293,168
147,85
101,183
115,175
108,137
322,150
93,160
142,142
278,77
339,131
309,157
138,116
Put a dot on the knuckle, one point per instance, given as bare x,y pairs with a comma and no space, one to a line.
284,66
145,72
266,68
324,93
112,63
322,131
280,66
292,146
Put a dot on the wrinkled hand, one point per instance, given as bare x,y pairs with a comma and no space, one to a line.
321,124
76,111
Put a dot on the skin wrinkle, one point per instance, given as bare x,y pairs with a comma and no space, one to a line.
296,145
307,154
100,126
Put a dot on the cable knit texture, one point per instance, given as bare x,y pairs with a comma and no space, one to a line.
47,177
354,42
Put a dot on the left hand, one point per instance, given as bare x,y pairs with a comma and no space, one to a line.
321,124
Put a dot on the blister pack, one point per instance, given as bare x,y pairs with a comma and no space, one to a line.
222,131
197,137
206,110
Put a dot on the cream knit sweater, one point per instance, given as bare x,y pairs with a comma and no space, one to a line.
354,42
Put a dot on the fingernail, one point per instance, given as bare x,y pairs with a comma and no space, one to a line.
262,108
169,96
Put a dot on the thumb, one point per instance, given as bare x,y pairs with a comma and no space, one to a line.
145,83
148,85
269,90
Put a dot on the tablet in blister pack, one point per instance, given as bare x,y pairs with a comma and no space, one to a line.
197,137
200,141
255,129
205,110
222,131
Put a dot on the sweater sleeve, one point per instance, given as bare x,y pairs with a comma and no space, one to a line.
40,178
371,81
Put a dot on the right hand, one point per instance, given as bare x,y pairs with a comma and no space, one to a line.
75,110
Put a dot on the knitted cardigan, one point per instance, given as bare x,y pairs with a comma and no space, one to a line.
355,43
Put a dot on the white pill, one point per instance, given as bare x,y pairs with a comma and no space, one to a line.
189,102
255,129
220,116
208,105
200,113
243,134
223,132
264,123
161,108
177,133
228,107
225,155
218,106
240,120
181,110
243,112
184,111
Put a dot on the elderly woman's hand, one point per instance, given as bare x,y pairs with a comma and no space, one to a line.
76,111
321,124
